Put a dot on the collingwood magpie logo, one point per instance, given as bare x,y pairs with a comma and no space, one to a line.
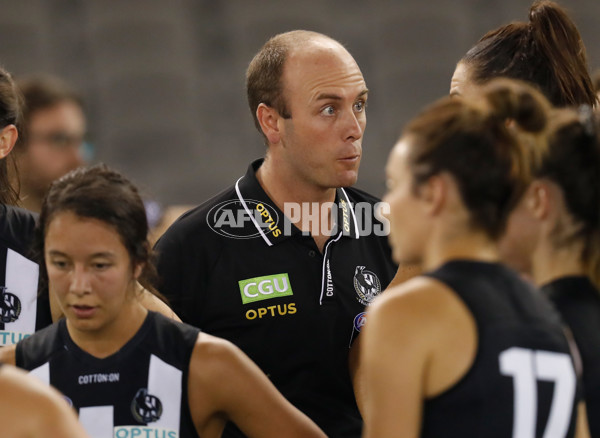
366,284
145,407
10,306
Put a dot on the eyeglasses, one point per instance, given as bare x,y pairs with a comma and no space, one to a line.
58,140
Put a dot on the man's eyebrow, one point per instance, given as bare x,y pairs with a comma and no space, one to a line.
329,96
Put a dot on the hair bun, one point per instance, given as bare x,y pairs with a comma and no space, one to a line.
511,99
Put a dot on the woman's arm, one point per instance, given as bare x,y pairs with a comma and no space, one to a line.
8,354
393,359
418,340
29,407
155,304
582,426
224,384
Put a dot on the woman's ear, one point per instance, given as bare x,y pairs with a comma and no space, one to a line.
434,192
137,271
538,199
8,138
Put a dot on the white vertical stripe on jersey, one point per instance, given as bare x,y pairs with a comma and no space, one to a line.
42,372
97,421
22,280
164,382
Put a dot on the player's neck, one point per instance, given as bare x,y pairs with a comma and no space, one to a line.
111,337
465,246
550,263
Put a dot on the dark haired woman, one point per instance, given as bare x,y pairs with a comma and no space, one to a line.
467,349
130,372
555,238
547,52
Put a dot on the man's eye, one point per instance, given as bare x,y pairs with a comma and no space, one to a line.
64,140
360,106
328,111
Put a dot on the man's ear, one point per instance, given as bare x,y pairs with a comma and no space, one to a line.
8,138
268,119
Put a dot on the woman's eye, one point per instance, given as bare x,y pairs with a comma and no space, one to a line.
59,264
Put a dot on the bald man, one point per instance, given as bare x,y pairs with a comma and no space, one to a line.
284,262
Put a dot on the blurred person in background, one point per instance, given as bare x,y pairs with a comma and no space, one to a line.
557,240
52,144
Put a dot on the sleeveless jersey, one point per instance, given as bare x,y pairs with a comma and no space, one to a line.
140,391
578,301
522,383
21,311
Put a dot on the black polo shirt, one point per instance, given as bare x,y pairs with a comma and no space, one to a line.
235,267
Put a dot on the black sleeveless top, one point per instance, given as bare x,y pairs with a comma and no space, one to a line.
139,391
578,301
522,381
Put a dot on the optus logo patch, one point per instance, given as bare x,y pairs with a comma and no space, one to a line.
264,288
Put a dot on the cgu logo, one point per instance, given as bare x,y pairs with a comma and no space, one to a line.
264,288
231,219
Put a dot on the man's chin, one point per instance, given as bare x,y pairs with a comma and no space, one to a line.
348,179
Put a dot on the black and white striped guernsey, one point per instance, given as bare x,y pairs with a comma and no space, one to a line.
22,312
140,391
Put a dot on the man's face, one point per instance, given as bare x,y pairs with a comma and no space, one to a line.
325,93
54,145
